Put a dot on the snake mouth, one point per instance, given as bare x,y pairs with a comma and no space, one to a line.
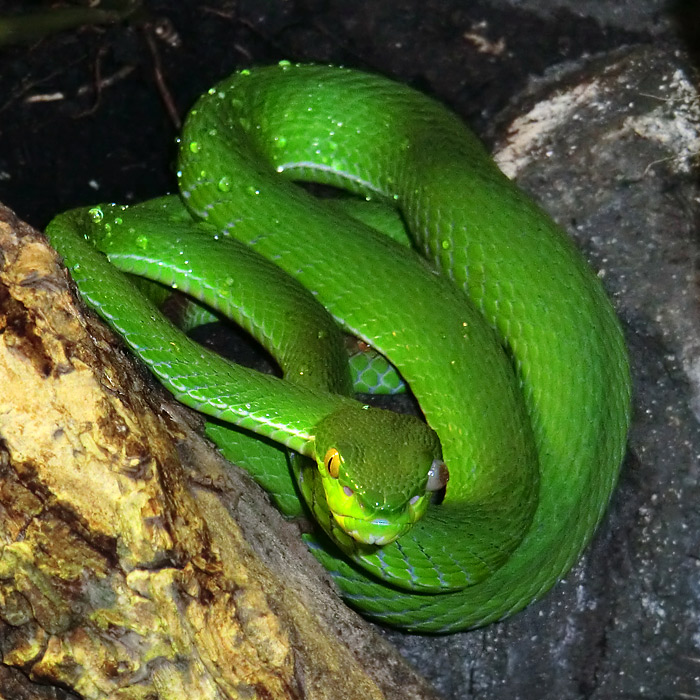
376,529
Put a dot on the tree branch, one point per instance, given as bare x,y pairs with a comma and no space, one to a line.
134,561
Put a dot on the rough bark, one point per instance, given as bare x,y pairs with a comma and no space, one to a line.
134,561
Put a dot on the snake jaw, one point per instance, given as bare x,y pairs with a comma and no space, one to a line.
371,526
371,531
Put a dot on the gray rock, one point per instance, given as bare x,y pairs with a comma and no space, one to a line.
628,14
609,150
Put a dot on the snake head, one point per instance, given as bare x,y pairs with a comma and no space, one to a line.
378,469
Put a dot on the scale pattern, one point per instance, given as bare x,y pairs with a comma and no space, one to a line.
513,352
383,140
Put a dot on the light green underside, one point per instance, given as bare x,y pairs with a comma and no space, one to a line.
554,404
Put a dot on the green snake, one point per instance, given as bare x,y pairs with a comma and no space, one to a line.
491,316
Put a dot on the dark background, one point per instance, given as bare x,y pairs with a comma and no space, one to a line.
83,113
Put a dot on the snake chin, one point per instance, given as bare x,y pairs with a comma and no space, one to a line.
379,531
372,529
379,540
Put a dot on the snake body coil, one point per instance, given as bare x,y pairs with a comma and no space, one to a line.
513,352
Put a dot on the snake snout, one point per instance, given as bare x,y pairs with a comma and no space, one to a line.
383,525
378,531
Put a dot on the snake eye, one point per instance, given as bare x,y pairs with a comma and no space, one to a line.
333,460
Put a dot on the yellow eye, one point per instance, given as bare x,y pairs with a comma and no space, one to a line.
333,460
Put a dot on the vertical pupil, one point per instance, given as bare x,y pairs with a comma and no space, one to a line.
332,462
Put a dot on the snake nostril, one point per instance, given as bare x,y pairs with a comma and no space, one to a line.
348,491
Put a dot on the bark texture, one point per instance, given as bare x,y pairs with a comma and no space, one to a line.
134,561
